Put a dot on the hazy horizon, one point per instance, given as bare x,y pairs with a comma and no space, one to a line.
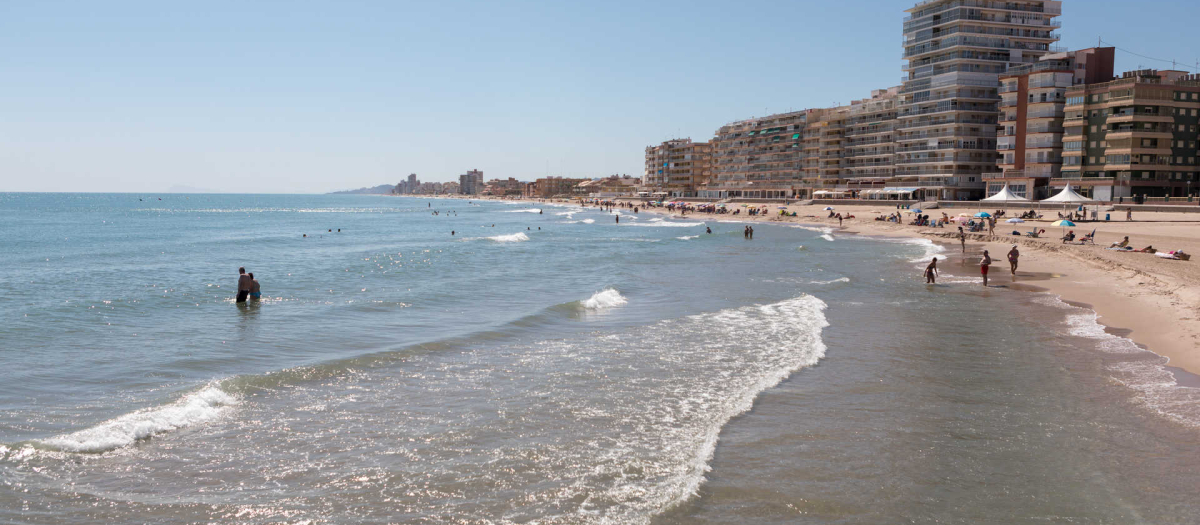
280,97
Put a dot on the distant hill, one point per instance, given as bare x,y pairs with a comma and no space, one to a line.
382,189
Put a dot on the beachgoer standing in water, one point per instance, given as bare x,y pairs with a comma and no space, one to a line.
984,264
243,289
931,272
962,238
255,289
1013,258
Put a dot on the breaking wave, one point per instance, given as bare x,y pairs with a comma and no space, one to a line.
514,237
191,409
603,299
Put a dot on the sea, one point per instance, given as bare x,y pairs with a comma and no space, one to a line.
446,361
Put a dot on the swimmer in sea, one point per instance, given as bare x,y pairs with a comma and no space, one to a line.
255,289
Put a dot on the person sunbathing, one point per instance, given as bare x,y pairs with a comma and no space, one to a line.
1121,244
1148,249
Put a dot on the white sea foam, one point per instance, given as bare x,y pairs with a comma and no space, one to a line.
689,392
534,210
512,237
125,430
842,280
607,298
688,237
819,229
665,224
1141,371
827,237
588,221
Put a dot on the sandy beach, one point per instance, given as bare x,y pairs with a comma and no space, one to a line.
1153,301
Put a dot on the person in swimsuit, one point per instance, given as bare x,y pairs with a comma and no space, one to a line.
255,290
962,238
243,290
1013,258
931,272
984,264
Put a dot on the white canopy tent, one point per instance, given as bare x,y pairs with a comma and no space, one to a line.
1006,195
1068,196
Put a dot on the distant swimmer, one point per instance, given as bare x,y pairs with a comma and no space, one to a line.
618,219
305,235
708,230
452,233
339,230
539,212
931,272
243,286
255,290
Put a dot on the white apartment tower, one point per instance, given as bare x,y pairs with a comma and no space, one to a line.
956,52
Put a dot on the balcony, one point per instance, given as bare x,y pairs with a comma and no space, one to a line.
913,26
982,4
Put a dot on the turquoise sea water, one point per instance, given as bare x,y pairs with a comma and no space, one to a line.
553,367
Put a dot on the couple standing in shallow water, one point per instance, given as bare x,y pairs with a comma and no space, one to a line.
247,286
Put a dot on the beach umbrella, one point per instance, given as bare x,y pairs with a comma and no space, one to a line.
1014,220
914,211
1064,224
829,208
782,208
983,214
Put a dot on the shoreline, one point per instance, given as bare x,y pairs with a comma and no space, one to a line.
1149,300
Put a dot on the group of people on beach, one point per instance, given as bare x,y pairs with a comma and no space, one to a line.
247,286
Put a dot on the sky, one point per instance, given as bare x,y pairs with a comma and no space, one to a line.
310,96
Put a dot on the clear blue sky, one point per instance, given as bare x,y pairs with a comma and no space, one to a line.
306,96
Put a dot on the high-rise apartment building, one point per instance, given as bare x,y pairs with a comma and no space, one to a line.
471,183
758,158
1030,136
870,141
678,167
956,51
1132,137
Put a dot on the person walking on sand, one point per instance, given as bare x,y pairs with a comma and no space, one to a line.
984,265
931,272
962,238
243,286
1014,257
991,225
255,289
1128,214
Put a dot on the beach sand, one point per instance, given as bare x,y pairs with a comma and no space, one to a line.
1153,301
